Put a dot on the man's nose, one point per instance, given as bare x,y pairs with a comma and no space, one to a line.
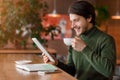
72,25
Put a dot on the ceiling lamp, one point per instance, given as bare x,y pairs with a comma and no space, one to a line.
54,13
117,15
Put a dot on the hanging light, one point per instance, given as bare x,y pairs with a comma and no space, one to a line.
54,13
117,15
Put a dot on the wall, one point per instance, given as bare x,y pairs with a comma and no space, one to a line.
61,5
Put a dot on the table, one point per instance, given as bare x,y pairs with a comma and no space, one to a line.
8,71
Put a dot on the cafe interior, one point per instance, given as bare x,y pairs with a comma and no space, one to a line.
48,21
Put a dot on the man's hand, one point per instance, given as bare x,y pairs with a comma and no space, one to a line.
46,60
78,44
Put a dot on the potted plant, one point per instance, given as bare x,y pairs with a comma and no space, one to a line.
102,16
19,17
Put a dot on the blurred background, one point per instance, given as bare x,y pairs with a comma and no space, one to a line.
48,21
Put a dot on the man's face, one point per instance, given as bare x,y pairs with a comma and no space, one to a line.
79,23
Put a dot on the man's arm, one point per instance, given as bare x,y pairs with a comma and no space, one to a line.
69,67
104,63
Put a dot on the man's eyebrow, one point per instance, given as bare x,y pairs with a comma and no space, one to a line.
76,19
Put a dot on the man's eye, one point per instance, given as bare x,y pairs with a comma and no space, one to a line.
77,20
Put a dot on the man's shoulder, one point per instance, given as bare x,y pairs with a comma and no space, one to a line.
104,35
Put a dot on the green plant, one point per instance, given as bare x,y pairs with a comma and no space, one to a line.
102,15
19,16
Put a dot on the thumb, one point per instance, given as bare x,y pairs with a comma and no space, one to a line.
77,38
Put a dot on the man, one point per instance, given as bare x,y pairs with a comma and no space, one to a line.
92,55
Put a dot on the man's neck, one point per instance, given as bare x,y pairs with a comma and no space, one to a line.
90,26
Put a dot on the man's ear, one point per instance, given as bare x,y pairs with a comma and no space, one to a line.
89,19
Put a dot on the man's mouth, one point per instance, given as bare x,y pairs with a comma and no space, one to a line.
77,29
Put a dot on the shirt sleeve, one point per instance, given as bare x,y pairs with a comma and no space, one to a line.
103,59
69,67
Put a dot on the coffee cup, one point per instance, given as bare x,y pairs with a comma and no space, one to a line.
67,41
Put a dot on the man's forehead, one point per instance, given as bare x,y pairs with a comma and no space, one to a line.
73,16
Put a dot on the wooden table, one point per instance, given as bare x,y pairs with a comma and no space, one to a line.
8,71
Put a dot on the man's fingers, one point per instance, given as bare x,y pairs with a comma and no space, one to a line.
77,38
45,58
43,54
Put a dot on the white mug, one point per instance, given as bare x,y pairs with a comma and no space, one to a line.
67,41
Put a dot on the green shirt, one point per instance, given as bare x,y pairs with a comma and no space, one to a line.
96,61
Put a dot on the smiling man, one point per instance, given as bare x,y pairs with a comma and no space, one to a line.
92,55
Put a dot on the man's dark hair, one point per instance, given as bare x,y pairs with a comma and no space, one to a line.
83,8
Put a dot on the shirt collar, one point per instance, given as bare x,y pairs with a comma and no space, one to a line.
89,33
